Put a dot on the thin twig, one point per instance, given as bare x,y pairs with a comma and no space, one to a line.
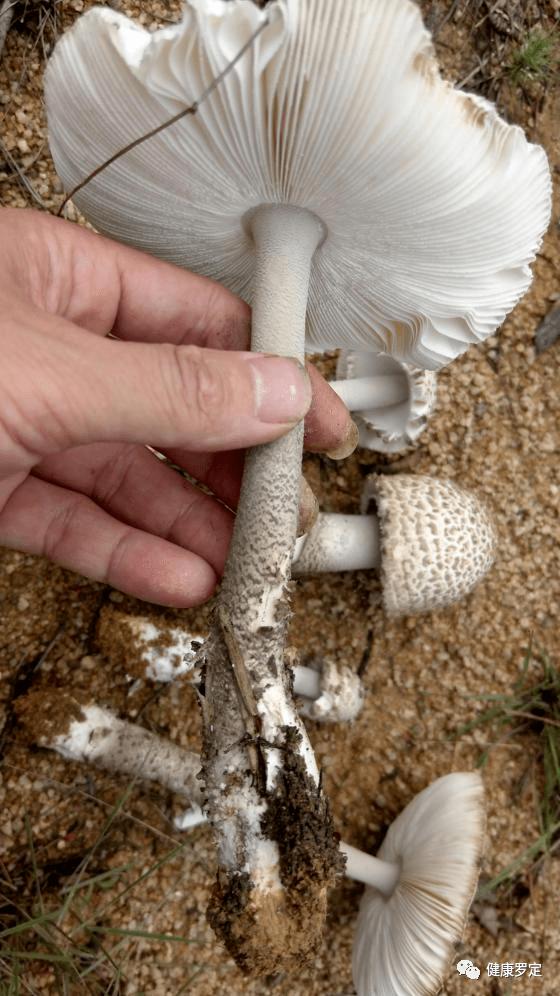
192,109
23,180
6,11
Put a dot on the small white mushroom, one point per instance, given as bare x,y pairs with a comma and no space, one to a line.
391,401
431,541
418,889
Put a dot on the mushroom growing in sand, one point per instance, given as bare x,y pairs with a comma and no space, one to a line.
319,167
430,540
418,889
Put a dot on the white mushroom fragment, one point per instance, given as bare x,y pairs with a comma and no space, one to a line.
88,732
391,401
418,889
431,541
336,182
327,692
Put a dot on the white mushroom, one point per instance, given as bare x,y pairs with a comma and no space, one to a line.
434,205
418,889
431,541
330,177
391,401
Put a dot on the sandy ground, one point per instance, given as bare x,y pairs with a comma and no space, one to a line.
495,431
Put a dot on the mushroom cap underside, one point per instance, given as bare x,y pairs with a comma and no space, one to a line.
435,207
392,428
403,945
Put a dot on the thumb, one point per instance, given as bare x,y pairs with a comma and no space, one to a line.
201,399
73,387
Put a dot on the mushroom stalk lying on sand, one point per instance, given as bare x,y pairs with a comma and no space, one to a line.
402,214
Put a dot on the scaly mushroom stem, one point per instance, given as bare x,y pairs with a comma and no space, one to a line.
366,868
103,739
277,853
369,393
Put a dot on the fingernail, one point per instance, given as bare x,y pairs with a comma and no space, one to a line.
282,388
348,444
308,507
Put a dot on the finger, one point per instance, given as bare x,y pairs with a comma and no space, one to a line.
130,483
102,286
72,531
134,486
328,425
70,388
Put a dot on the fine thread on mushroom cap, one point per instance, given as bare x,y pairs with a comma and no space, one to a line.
191,109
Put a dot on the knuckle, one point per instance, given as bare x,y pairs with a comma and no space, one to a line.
59,534
113,476
204,388
117,558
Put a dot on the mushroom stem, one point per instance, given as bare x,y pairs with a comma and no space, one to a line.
103,739
339,542
368,393
275,860
88,732
366,868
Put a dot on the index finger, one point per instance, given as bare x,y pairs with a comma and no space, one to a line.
104,286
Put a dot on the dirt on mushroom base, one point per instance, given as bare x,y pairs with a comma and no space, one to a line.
495,431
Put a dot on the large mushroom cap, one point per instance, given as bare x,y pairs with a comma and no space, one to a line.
434,207
403,944
437,541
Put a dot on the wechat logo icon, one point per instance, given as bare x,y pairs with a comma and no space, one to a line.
466,967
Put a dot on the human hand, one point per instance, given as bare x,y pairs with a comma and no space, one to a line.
77,482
